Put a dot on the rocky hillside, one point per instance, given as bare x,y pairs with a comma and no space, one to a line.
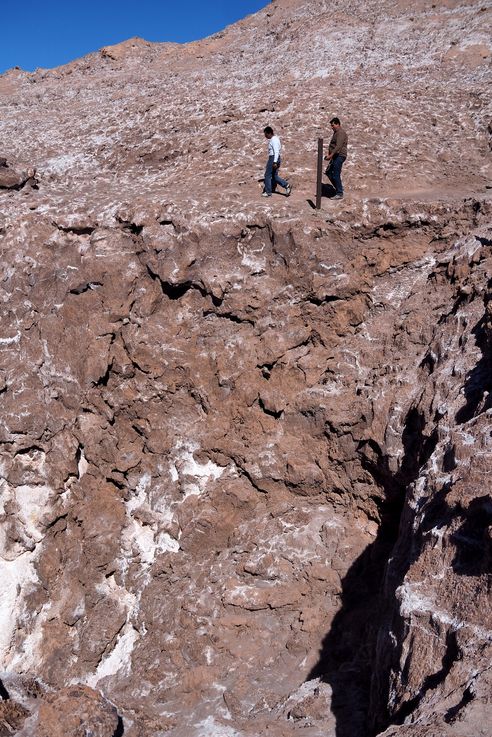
245,445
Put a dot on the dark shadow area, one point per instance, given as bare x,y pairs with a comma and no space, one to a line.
485,241
120,729
131,227
449,460
479,380
453,713
328,190
473,540
82,230
348,656
4,694
177,291
437,512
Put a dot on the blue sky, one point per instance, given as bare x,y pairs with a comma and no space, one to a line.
47,33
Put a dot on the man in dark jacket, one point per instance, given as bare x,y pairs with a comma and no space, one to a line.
337,153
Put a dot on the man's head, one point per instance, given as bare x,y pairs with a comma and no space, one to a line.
335,123
268,131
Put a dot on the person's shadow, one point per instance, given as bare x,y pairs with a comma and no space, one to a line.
328,191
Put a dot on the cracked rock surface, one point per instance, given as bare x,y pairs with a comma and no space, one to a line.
245,447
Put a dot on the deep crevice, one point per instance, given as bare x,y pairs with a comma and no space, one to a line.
132,228
270,412
111,480
30,449
82,230
348,652
53,522
267,368
172,291
452,714
429,362
120,729
478,384
347,658
4,694
103,380
139,431
473,555
86,287
176,291
229,316
318,301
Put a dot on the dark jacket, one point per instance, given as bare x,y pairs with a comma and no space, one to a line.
338,143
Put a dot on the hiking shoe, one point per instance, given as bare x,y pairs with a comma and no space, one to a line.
265,194
338,197
288,190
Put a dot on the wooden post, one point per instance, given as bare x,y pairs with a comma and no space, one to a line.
319,180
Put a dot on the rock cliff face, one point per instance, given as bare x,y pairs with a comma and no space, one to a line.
245,446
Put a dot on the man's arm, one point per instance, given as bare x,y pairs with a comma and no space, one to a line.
330,153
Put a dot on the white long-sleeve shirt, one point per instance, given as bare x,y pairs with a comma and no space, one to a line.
274,148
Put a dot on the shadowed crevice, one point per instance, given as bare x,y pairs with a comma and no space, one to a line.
4,694
348,652
130,227
177,291
120,729
473,541
81,230
453,713
478,385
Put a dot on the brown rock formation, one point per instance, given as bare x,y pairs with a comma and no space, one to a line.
245,446
11,179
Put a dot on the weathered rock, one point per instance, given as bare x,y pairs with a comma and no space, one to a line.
10,179
76,710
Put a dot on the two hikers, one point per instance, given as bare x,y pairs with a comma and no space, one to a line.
337,153
272,177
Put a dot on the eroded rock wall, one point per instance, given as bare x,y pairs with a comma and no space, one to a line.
209,438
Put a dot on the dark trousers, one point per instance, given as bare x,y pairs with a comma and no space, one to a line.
334,172
272,178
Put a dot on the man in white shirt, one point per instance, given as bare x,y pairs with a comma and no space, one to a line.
273,165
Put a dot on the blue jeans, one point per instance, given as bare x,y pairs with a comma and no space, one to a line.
272,178
334,172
